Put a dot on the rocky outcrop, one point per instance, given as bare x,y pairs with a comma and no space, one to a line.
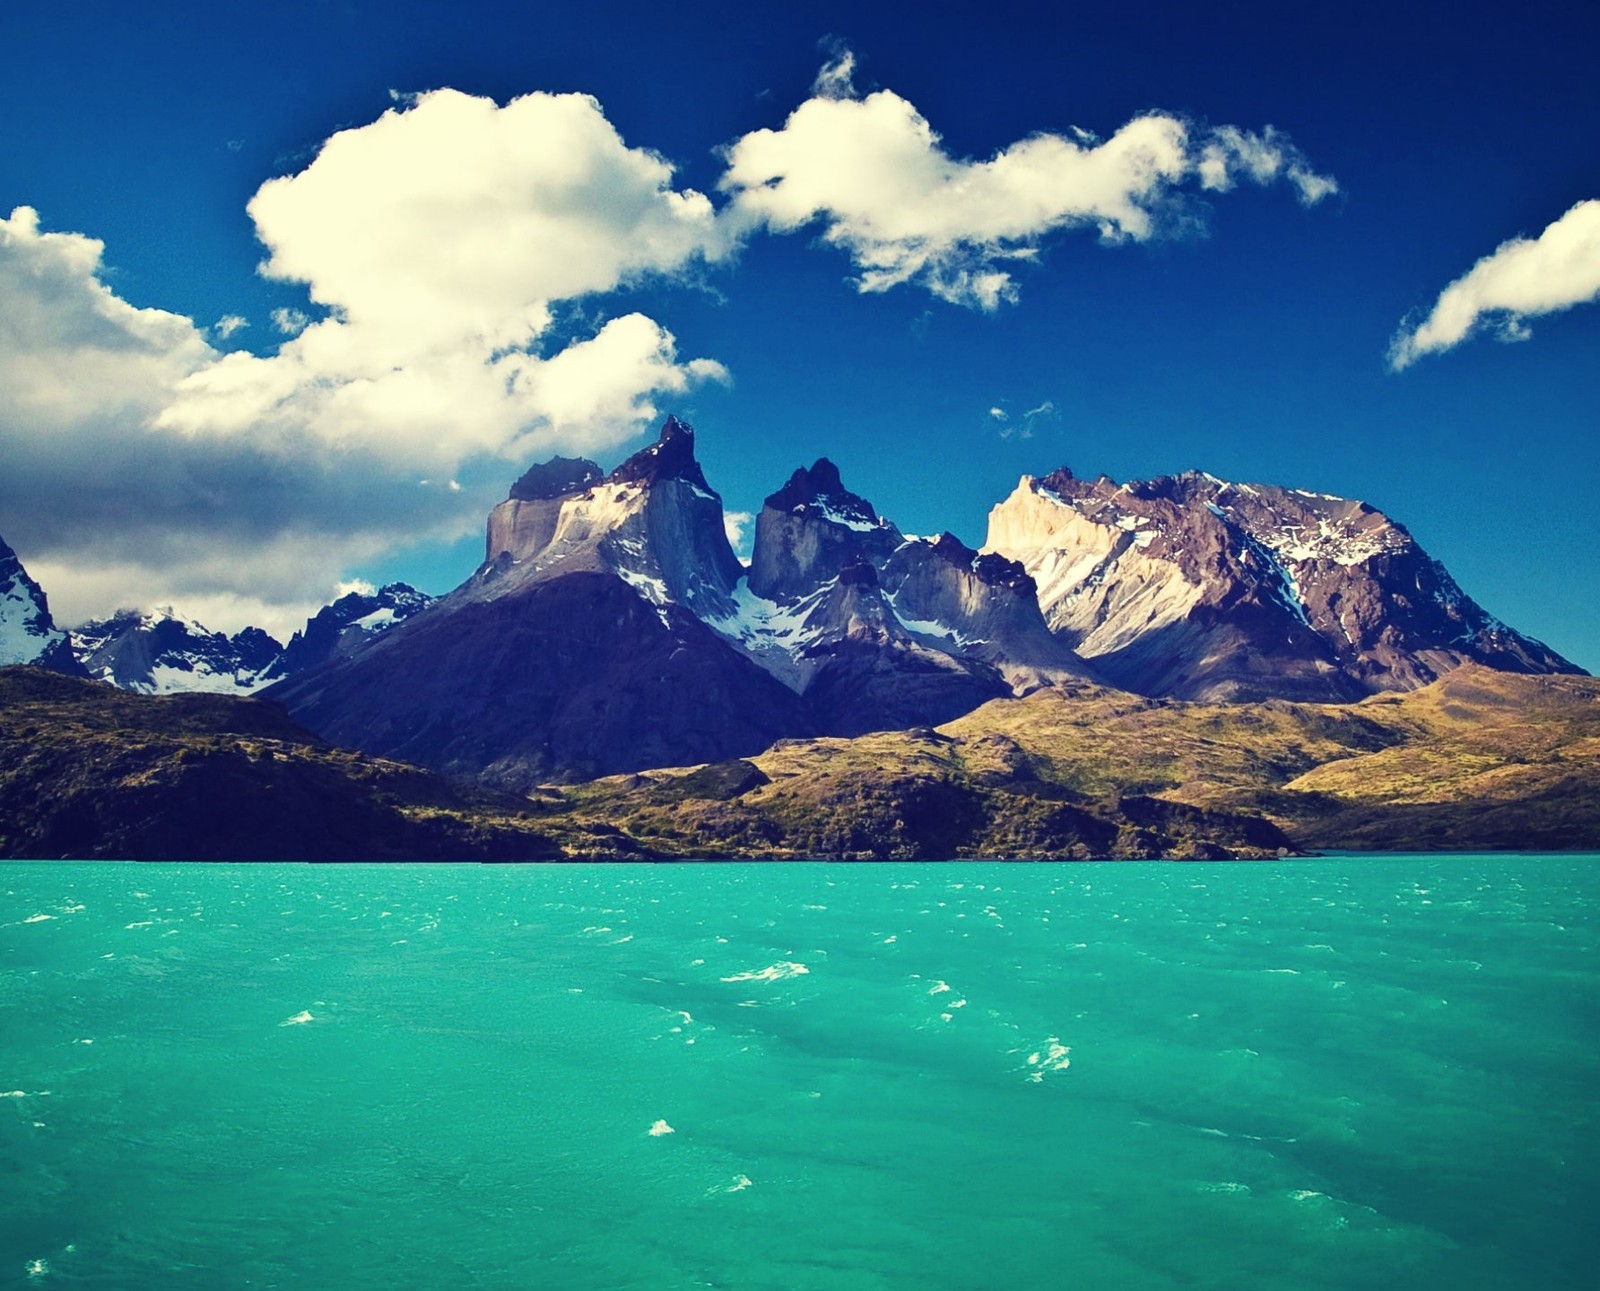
27,632
654,522
812,528
980,606
1194,587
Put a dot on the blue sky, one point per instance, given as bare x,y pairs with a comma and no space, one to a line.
1239,318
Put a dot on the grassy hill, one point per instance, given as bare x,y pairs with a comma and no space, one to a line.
90,771
1479,759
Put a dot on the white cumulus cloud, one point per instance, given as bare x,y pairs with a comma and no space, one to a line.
440,238
876,175
1521,279
736,524
72,353
440,241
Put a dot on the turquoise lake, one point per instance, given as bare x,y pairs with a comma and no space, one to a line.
1336,1073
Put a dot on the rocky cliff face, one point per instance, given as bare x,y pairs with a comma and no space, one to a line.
812,528
1198,588
981,606
27,632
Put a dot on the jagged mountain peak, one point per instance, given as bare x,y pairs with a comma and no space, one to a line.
556,478
345,625
988,567
653,522
810,530
671,457
821,492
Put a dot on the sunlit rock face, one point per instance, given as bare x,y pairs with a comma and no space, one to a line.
654,522
1199,588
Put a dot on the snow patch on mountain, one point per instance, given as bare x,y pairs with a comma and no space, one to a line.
163,652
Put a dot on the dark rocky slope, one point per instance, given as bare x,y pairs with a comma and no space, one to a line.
88,771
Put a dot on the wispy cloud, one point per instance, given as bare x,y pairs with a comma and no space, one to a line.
228,324
1229,153
1024,425
291,322
1521,279
875,173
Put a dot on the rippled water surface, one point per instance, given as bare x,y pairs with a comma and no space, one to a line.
1352,1072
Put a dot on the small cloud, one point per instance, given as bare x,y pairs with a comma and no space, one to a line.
235,145
360,586
291,322
836,79
736,524
999,414
228,324
455,486
1521,279
1046,411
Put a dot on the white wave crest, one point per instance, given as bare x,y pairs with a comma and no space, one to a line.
772,973
1052,1057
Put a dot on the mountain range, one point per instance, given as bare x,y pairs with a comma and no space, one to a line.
611,630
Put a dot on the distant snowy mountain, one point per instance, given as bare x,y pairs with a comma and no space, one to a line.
161,652
341,627
1198,588
27,632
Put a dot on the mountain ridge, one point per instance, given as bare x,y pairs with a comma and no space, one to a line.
611,628
1185,586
